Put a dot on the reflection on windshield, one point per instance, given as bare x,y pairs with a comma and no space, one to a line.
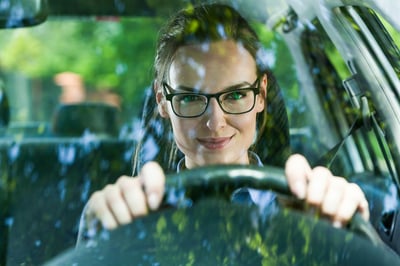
90,61
51,181
74,88
216,232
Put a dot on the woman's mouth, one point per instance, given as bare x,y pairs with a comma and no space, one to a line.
214,143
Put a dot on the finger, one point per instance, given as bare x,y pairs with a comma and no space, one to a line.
336,189
318,182
117,204
363,208
297,170
352,201
98,209
153,179
133,195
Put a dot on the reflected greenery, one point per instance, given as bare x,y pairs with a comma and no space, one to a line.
215,232
116,54
43,189
110,54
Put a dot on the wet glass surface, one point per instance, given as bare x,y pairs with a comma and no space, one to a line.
100,67
215,232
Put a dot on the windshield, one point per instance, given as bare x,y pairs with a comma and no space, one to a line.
109,61
80,106
90,62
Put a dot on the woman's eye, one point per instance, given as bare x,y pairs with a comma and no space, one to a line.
189,98
235,95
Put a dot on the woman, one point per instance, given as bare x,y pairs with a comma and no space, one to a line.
211,86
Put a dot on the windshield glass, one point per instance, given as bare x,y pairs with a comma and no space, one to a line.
80,106
109,61
91,61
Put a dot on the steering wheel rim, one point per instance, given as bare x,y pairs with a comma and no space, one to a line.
264,178
152,240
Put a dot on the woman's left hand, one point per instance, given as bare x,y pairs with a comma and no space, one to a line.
333,196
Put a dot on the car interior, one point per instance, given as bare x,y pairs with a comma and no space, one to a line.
337,104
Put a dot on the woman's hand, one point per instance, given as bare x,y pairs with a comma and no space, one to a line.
129,197
333,196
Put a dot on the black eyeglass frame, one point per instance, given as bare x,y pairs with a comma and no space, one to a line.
255,88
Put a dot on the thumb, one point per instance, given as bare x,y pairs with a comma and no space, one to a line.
153,179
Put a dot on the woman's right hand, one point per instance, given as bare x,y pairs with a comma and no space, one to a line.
130,197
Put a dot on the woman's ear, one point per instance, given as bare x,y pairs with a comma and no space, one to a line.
262,99
161,102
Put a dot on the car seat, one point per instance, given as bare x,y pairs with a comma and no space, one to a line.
4,109
73,120
49,179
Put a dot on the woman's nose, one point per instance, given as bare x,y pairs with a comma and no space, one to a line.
215,116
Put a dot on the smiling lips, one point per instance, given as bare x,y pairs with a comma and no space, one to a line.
214,143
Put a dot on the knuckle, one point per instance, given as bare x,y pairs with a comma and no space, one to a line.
296,156
294,160
122,180
319,175
355,188
109,189
127,184
338,182
150,169
355,192
95,202
322,171
343,216
95,196
111,194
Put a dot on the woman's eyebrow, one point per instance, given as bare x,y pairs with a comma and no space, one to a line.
237,86
182,88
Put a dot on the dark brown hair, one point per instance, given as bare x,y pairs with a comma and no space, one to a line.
202,24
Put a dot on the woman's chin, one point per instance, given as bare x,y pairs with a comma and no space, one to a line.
218,160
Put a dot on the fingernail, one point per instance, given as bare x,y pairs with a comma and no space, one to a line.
153,201
300,190
337,224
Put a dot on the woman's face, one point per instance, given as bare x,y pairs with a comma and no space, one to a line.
214,137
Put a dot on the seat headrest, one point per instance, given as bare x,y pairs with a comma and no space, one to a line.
4,107
73,120
274,146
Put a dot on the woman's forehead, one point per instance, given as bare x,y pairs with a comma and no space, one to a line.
212,64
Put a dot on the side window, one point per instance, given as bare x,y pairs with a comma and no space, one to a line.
327,71
331,77
385,35
382,42
283,60
368,142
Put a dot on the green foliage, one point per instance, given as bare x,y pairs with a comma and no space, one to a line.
280,59
112,55
115,55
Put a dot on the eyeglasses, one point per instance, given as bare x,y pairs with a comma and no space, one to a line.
233,101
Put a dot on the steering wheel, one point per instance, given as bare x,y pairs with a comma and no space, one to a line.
222,180
215,231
